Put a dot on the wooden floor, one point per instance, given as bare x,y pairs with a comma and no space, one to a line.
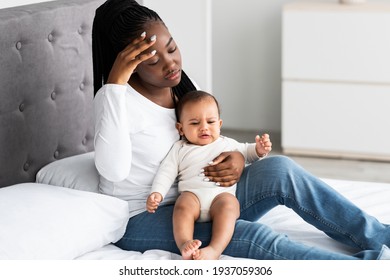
355,170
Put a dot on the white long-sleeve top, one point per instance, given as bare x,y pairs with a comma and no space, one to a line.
185,161
132,137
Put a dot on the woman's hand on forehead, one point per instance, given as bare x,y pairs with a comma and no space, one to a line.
128,59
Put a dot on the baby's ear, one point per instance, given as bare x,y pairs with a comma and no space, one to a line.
179,128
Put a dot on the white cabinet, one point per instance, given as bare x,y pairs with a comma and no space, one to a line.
336,79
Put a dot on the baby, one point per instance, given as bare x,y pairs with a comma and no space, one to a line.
200,200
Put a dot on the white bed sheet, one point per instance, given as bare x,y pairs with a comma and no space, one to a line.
374,198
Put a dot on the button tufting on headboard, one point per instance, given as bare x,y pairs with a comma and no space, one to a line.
21,107
18,45
26,166
46,60
50,37
80,30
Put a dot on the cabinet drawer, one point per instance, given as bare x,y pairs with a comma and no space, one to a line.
333,119
336,44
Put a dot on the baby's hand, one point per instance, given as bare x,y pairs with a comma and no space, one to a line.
153,201
263,145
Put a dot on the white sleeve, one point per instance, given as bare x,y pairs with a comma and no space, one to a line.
248,150
113,151
251,155
167,172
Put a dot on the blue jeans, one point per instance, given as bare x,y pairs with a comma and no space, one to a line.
263,185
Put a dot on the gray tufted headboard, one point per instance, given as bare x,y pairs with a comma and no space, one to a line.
46,85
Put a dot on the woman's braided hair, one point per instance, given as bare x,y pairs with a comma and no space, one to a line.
116,24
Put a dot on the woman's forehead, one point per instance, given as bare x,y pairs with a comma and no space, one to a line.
156,28
163,39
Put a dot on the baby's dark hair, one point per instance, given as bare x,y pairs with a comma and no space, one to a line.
193,97
116,24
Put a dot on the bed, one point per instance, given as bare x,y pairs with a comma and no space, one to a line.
49,201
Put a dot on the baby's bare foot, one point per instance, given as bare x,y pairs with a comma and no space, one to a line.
188,249
206,253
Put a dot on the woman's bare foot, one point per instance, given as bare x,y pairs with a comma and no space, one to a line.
188,249
206,253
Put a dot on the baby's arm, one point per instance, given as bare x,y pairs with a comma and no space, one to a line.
164,179
263,145
153,201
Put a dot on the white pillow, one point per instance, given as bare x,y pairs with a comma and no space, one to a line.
76,172
44,222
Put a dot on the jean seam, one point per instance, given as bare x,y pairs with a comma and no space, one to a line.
310,213
252,243
327,224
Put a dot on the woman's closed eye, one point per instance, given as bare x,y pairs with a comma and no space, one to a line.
155,61
151,63
172,50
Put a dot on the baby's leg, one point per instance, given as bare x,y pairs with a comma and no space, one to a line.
224,211
185,213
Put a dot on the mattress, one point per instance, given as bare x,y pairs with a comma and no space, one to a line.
374,198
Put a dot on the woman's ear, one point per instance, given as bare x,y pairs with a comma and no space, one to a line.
179,128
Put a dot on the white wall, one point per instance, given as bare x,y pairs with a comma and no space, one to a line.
247,62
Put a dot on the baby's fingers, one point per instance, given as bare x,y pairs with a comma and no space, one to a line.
263,145
263,140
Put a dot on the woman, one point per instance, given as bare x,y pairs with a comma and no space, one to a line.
138,79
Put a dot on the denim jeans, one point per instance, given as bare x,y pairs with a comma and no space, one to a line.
273,181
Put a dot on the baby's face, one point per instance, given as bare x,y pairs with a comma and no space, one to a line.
200,122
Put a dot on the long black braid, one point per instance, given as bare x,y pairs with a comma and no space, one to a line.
116,24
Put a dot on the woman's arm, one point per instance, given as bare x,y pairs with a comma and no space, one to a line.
226,169
113,153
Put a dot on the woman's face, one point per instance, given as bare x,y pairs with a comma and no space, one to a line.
164,68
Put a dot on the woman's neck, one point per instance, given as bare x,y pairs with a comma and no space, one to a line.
161,96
